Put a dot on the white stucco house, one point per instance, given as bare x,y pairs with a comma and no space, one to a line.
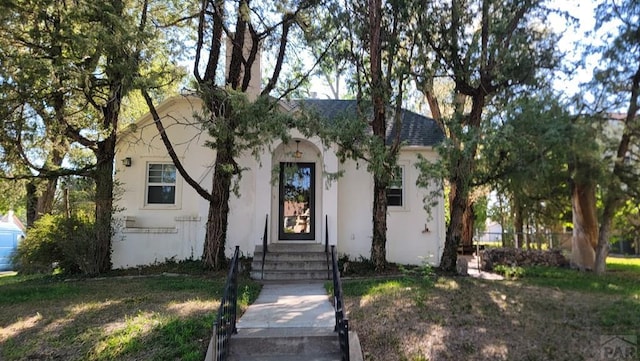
164,218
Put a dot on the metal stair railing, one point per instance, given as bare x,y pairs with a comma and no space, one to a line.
225,324
264,244
342,322
326,244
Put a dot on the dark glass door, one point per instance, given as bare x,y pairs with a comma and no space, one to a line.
297,201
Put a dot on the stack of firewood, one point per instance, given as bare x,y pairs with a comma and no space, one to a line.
521,257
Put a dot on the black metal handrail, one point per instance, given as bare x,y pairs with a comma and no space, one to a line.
326,244
342,322
264,244
225,323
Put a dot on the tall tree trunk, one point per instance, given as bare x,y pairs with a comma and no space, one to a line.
585,226
527,234
460,179
32,201
214,246
518,223
379,126
47,197
44,199
602,246
378,243
467,224
466,235
454,231
103,176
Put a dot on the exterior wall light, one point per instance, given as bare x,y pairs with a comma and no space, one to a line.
298,153
126,161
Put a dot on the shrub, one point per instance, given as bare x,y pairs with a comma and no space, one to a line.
79,246
53,240
509,272
40,249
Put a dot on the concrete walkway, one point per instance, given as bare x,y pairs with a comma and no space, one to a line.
290,321
290,305
474,270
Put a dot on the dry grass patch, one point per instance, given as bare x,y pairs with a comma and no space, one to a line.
462,318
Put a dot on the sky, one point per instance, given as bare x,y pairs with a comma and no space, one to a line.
572,36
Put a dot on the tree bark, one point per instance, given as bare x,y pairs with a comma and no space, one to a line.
104,210
213,254
585,226
460,179
378,125
378,243
467,224
602,246
454,230
518,224
46,199
32,201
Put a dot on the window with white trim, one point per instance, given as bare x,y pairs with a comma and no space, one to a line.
395,189
161,183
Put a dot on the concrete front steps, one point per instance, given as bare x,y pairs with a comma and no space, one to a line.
291,261
286,344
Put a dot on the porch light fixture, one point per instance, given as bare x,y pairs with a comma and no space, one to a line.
298,153
126,161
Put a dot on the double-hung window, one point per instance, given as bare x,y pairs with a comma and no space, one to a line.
161,183
395,188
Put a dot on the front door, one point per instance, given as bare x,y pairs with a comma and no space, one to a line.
296,201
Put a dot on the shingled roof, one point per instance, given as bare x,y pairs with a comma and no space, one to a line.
416,129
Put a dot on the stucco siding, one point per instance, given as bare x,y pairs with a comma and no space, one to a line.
149,233
412,236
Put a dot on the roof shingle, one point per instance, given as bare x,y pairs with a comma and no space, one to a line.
416,129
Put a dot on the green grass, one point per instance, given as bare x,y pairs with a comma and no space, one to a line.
623,264
373,287
112,318
622,278
30,289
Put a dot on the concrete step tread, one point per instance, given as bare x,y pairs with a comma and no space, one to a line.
291,275
288,277
289,262
284,332
292,267
290,258
297,271
333,356
283,342
292,255
296,247
289,251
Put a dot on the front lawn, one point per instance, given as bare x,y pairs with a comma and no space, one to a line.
157,317
549,314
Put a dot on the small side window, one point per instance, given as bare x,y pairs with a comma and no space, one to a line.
161,183
395,188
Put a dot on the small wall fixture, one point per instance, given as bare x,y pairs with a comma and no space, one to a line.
298,153
126,161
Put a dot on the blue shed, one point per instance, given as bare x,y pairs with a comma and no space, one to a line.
10,237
